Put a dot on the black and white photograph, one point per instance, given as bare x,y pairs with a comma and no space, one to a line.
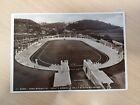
68,52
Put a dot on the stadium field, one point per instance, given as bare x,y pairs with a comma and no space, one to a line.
73,51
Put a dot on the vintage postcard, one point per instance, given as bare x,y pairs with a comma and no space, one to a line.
68,52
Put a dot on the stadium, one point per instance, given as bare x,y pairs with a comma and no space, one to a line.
67,61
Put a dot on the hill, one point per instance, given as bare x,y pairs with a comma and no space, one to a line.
91,25
97,29
50,27
26,26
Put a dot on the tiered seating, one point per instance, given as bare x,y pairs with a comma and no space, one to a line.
113,55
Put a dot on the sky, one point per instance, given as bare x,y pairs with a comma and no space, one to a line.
112,18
